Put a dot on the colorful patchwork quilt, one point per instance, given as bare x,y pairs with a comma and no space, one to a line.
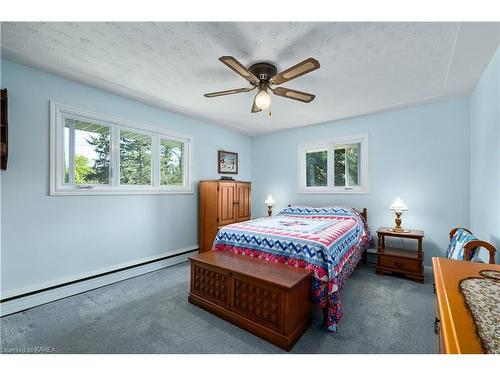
329,241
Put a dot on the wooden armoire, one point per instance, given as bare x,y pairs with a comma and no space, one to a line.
221,203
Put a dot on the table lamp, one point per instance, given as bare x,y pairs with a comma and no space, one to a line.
398,206
269,202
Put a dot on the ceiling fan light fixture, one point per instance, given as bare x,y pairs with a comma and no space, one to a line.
263,99
262,75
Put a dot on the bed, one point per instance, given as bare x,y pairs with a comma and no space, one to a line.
329,241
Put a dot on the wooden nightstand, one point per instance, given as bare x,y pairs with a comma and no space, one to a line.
395,260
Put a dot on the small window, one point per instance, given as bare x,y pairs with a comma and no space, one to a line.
97,154
334,166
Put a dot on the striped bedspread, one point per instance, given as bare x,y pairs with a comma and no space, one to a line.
327,240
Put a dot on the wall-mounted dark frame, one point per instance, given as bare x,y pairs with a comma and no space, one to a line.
4,130
220,156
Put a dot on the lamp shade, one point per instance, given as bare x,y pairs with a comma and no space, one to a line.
270,200
398,205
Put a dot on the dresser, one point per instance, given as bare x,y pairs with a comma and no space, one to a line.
453,325
221,203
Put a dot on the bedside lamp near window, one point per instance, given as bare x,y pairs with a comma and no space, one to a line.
269,203
398,206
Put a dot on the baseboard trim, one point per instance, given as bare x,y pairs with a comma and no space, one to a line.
35,288
32,299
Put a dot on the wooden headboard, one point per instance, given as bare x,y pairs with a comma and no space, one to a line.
364,213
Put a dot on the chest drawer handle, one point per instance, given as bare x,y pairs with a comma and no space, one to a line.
436,325
398,264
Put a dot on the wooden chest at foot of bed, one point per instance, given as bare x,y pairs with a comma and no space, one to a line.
270,300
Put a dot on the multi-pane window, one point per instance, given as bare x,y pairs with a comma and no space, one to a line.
95,154
334,166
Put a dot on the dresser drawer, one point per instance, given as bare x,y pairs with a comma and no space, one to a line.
396,263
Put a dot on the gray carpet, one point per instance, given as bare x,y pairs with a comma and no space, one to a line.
150,314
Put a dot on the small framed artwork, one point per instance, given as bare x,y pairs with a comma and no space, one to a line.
227,162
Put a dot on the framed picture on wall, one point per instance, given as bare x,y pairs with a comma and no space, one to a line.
227,162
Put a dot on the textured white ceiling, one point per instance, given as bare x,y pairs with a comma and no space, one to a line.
365,67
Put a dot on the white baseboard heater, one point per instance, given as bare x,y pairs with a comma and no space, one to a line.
24,301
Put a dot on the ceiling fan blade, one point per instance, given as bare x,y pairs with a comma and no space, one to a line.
239,68
304,67
227,92
255,109
294,94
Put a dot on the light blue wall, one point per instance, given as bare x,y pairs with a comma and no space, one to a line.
485,155
420,154
44,237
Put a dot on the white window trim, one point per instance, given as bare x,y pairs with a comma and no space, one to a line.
329,144
57,186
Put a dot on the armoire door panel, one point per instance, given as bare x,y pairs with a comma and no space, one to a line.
227,200
243,201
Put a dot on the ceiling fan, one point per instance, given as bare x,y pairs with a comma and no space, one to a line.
264,76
